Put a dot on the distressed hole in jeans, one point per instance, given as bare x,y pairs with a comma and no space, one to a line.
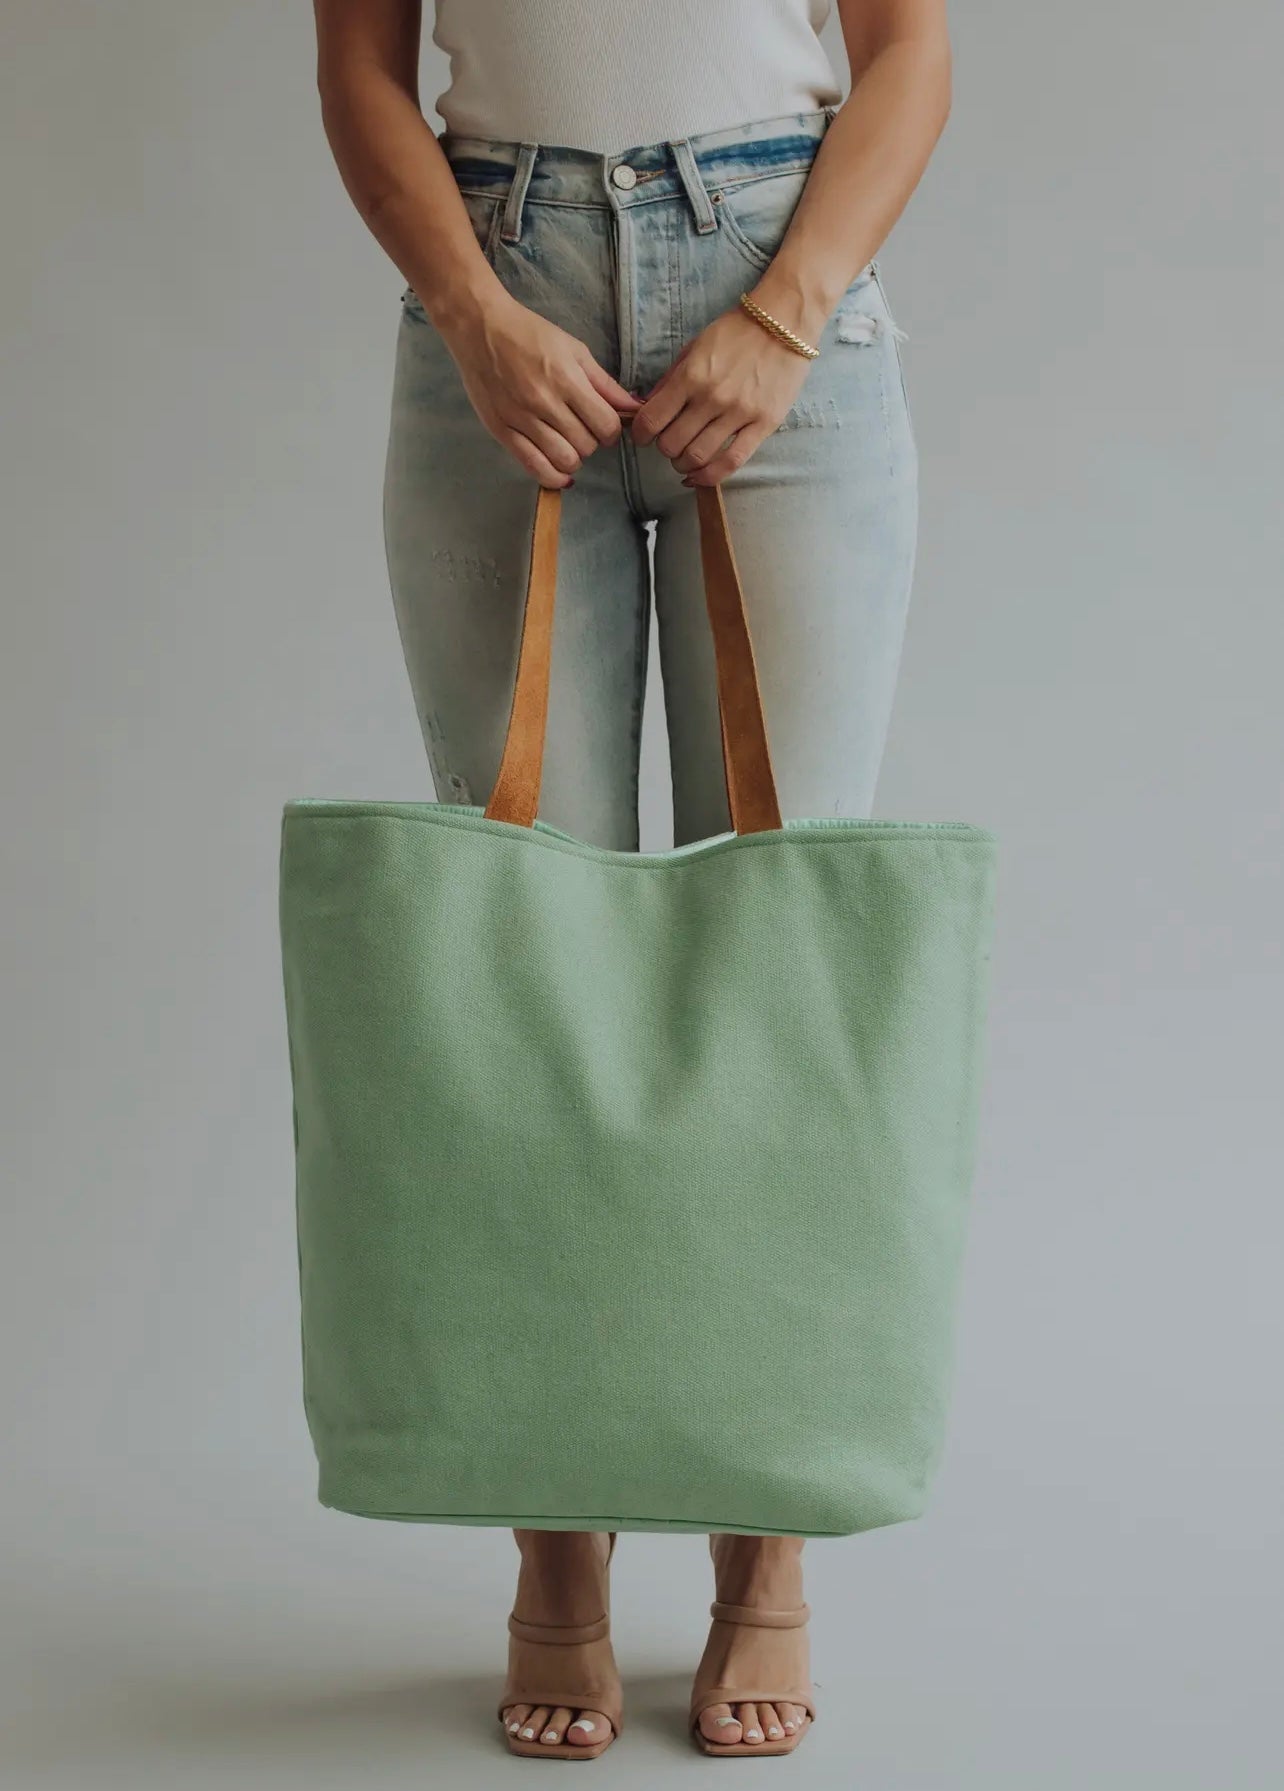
812,413
467,568
860,328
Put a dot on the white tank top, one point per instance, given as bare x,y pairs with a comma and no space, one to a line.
609,75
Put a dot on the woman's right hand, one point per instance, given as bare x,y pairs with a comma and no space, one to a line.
537,389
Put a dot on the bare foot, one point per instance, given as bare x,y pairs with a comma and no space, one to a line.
763,1571
562,1582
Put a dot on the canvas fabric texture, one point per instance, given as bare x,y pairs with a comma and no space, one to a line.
638,1136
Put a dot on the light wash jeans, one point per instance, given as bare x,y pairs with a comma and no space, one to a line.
823,516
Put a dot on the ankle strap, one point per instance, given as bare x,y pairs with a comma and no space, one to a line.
558,1635
757,1618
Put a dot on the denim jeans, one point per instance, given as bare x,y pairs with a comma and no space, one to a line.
823,516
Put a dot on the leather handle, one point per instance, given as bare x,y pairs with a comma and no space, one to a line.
746,758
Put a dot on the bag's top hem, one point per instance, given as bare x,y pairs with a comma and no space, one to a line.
474,818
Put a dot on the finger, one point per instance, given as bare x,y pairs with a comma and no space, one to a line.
610,389
564,418
729,460
660,406
692,421
528,456
550,441
598,415
704,448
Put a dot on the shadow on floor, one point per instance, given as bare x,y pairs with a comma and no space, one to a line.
402,1720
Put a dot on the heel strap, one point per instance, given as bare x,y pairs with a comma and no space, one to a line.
558,1635
756,1618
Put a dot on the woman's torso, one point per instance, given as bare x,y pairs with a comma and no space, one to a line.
609,75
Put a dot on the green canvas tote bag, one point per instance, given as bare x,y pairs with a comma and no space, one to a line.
631,1187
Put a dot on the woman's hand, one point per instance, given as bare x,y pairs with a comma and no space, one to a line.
537,389
733,378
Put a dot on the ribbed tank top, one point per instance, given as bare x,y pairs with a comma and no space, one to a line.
610,75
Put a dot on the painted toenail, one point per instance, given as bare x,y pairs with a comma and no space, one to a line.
789,1728
584,1723
775,1731
514,1728
725,1722
528,1734
550,1735
754,1734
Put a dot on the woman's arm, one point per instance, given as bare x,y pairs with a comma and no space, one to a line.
870,160
733,376
391,163
536,388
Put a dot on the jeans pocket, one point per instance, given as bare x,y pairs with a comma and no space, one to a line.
485,214
755,213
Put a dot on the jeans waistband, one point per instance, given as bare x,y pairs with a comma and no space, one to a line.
695,166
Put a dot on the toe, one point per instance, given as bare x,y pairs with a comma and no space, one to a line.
535,1722
589,1727
791,1718
515,1716
750,1723
769,1722
718,1723
555,1727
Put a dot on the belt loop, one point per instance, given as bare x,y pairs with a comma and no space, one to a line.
706,219
511,228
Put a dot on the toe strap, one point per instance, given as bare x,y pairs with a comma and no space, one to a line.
732,1695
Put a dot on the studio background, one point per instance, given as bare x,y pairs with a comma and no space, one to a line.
196,342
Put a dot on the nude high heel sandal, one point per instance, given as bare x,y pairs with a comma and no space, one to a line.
766,1690
570,1667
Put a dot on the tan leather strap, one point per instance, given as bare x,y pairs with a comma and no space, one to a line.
746,760
515,796
758,1618
559,1635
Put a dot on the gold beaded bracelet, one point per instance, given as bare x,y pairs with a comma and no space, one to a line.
777,328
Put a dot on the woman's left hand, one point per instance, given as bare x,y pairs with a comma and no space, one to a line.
734,378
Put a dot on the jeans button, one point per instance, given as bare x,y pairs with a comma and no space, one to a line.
623,175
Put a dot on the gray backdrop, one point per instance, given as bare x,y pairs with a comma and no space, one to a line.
197,341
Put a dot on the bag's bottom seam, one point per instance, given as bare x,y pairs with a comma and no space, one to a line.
599,1521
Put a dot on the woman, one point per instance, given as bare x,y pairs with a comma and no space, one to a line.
613,176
